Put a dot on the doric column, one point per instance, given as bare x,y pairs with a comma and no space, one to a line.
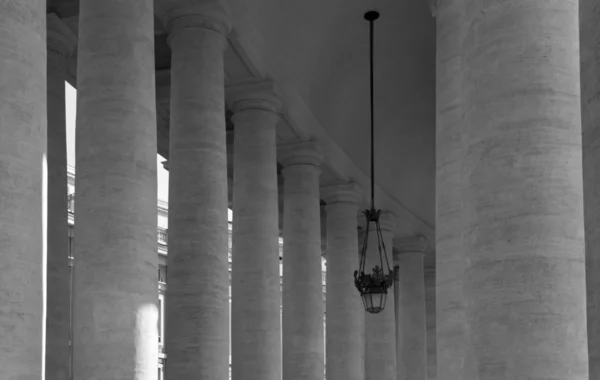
380,329
303,350
197,334
345,348
115,329
451,325
411,341
61,45
522,191
430,320
589,24
255,288
22,187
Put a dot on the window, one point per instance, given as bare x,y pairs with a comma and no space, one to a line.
161,320
162,273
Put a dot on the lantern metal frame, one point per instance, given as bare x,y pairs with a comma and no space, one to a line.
373,286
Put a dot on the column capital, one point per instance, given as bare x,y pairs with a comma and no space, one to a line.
433,6
253,94
430,271
349,192
179,15
299,153
387,220
411,244
60,39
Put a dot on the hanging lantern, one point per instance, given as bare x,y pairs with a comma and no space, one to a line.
373,284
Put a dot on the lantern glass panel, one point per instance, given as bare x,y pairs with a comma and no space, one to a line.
374,302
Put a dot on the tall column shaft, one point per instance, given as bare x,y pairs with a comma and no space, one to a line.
303,344
345,348
430,320
451,328
22,187
522,193
380,329
589,24
197,334
255,285
115,327
61,44
411,328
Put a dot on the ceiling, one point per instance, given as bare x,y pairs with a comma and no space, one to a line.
318,51
320,48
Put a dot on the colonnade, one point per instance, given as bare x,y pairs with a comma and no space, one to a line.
511,276
115,329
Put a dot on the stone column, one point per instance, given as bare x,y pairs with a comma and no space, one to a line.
61,44
450,307
303,351
589,23
345,348
255,289
22,187
380,329
115,329
411,329
522,191
430,320
197,331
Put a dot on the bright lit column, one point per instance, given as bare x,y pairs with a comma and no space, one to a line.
115,302
22,187
380,328
411,330
197,334
303,343
345,348
255,288
589,23
61,45
522,191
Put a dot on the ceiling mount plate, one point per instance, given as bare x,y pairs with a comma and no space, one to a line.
371,15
